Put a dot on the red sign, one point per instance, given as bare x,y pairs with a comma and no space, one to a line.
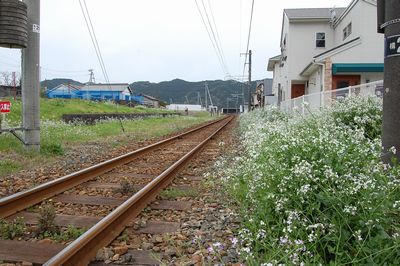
5,107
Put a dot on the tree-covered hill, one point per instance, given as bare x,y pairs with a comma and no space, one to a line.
52,83
177,90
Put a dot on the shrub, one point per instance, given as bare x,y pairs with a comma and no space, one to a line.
313,190
360,113
126,187
52,149
12,229
47,215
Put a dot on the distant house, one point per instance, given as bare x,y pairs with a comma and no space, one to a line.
114,92
184,107
149,101
9,91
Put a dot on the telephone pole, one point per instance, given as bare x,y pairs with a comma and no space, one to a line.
249,85
205,95
31,78
389,24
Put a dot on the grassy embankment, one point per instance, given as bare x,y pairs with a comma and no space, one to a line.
57,136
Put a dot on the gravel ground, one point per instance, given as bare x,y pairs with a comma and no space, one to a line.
76,158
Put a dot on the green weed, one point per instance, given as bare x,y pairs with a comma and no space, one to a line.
8,167
12,229
173,193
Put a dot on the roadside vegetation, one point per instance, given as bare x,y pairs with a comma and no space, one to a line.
313,191
53,109
57,136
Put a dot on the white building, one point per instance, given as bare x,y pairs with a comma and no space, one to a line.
184,107
327,48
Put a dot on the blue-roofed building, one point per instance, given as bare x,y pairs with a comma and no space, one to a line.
112,92
99,92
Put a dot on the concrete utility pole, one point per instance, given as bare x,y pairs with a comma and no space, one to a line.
14,85
249,81
389,24
31,78
205,96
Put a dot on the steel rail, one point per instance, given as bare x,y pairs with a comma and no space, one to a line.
12,204
83,249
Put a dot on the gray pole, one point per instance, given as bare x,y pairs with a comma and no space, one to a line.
30,78
249,80
205,95
389,23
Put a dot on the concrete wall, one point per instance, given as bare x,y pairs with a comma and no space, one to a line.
302,47
363,17
284,70
315,81
370,77
278,78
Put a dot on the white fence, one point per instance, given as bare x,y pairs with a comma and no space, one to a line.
316,101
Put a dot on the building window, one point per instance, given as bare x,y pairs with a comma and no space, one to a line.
320,39
347,31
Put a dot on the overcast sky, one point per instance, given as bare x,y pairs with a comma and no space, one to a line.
157,40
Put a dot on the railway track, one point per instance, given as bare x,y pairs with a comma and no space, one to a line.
93,197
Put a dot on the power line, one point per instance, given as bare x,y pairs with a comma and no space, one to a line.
93,37
248,38
209,36
63,71
217,40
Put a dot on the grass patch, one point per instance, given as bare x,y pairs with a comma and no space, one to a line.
53,109
173,193
8,167
57,137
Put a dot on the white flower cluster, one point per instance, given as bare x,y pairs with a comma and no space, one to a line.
301,181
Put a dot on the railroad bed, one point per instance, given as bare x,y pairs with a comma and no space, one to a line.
104,198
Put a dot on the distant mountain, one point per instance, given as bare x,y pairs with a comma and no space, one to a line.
52,83
177,90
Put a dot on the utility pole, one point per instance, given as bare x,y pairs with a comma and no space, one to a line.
209,95
249,80
31,78
199,99
206,95
14,85
389,24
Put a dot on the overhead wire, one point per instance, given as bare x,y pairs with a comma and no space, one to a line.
63,71
93,37
248,37
247,48
218,39
209,36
